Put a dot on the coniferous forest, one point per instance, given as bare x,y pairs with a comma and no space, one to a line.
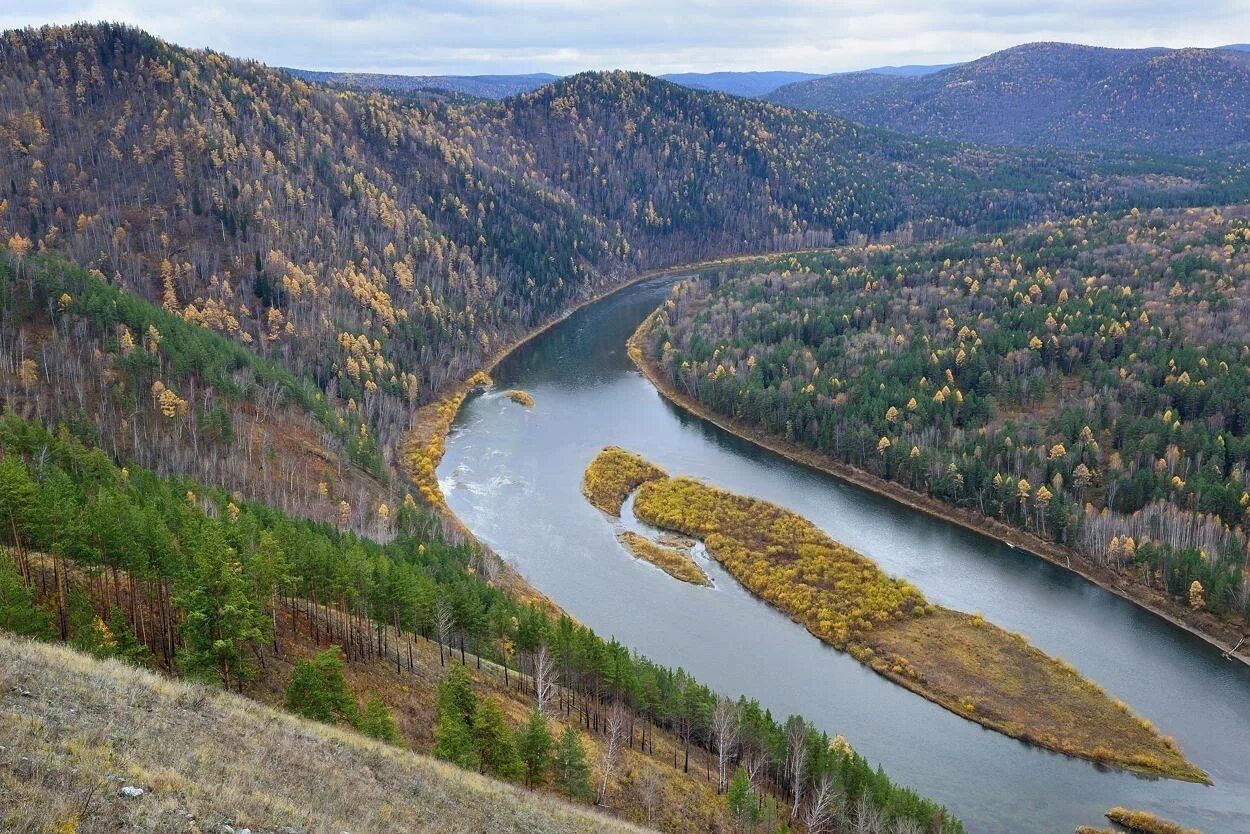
1083,380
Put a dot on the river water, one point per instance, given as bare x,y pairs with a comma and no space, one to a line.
513,475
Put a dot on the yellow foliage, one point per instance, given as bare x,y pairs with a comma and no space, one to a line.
613,475
838,594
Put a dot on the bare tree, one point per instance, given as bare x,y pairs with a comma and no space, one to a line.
868,818
796,762
651,792
725,734
544,679
822,809
614,726
905,825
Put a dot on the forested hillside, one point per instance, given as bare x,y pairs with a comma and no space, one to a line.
380,249
1084,380
172,574
1056,95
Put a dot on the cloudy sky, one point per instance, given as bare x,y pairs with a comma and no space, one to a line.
561,36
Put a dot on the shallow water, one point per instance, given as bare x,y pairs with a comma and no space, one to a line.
514,476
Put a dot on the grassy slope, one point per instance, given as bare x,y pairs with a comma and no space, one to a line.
74,730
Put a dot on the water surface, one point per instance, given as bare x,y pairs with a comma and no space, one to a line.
514,475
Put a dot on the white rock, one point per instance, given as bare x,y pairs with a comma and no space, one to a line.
131,792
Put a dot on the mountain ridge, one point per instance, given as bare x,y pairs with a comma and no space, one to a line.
1055,95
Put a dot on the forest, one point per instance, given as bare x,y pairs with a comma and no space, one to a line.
184,577
1084,380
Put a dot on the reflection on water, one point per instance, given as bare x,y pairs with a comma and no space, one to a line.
514,476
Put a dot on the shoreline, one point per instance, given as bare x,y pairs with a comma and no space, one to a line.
430,424
1070,560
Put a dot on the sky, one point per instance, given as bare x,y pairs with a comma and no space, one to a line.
656,36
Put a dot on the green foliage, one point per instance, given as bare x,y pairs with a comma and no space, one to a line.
318,691
221,617
742,801
1082,380
20,612
376,720
87,631
455,711
534,746
494,743
572,771
178,532
126,646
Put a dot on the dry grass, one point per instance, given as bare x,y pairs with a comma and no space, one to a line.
675,563
999,680
959,661
74,731
1146,822
613,475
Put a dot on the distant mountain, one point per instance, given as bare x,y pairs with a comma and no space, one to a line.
750,84
1055,94
479,86
910,70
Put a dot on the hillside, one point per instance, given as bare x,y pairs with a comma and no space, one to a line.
378,250
75,731
1081,381
478,86
1056,95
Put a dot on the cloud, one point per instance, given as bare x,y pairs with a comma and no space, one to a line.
484,36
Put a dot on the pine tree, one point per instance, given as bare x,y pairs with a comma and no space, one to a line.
222,618
572,773
126,646
20,612
87,632
376,720
534,746
454,710
17,498
318,691
496,749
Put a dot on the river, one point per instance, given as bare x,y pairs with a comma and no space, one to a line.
513,475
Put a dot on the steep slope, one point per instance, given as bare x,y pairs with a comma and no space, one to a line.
76,731
381,249
684,174
1055,94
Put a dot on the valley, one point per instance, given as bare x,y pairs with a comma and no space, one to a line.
743,452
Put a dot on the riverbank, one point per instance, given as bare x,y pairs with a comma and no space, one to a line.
1218,632
959,661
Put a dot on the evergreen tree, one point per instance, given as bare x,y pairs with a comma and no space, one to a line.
17,498
454,711
126,646
318,691
571,769
222,619
376,720
496,749
534,746
87,632
20,612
